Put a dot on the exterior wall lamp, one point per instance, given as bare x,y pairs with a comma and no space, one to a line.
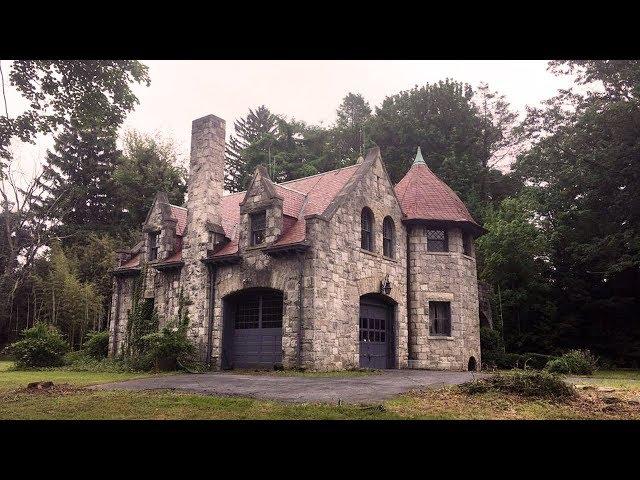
385,285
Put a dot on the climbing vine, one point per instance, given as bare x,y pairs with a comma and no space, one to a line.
142,319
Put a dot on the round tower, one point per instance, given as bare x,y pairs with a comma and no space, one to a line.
442,285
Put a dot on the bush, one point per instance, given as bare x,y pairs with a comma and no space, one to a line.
97,344
536,361
490,341
42,346
502,360
81,362
164,350
577,362
527,383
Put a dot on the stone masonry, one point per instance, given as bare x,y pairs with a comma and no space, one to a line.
311,254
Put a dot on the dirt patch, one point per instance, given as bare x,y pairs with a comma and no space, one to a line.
48,388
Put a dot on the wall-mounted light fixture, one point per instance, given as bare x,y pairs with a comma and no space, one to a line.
385,286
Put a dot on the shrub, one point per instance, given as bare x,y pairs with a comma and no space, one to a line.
536,361
42,346
97,344
490,341
527,383
502,360
81,362
577,362
163,350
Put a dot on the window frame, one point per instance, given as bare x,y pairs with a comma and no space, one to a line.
255,232
445,239
153,246
389,241
367,214
436,327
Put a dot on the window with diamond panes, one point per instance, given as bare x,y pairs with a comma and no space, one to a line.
437,241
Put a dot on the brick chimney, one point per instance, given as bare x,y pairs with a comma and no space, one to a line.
206,176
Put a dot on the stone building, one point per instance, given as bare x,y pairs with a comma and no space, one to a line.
333,271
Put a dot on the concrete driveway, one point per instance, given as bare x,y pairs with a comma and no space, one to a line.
355,389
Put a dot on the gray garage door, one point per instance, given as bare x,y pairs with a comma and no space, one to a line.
374,335
257,335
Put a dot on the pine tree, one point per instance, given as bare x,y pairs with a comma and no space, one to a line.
78,178
257,131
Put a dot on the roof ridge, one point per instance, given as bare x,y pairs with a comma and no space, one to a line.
292,189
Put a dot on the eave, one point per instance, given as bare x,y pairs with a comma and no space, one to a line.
168,266
280,250
125,271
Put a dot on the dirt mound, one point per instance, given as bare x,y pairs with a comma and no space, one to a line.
48,388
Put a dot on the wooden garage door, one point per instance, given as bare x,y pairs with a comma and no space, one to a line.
257,336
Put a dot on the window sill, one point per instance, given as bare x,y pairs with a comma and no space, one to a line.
256,247
369,252
447,254
440,337
469,257
395,260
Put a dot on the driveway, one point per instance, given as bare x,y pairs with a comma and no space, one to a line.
355,389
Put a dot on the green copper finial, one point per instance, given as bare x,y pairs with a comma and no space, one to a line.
419,160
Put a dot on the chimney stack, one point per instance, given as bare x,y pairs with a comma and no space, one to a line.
206,176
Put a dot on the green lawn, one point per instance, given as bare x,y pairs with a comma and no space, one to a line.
11,380
76,402
623,379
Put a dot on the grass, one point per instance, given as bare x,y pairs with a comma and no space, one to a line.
621,379
299,373
75,401
12,379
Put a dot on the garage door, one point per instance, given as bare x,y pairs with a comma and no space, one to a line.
257,335
374,336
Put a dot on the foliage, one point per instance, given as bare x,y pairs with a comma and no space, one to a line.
65,301
527,383
142,320
97,344
149,164
82,361
41,346
577,362
60,90
582,166
490,340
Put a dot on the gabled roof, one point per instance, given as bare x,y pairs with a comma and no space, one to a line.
423,196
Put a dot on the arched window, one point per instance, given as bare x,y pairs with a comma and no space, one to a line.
366,225
388,237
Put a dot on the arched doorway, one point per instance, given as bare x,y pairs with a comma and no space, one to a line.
252,335
376,332
472,365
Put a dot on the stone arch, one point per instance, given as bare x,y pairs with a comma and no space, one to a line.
472,365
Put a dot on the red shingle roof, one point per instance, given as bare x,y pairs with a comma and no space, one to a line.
423,196
180,214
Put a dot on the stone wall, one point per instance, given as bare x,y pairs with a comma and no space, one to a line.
442,276
341,272
123,287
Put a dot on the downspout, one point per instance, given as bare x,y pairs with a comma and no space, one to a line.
212,305
409,327
116,319
300,307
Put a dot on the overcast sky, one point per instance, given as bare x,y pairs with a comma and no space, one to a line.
181,91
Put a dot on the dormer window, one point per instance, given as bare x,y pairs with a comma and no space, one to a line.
258,227
153,246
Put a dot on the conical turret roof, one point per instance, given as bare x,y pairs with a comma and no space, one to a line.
423,196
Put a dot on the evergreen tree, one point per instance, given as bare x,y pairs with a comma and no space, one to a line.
257,132
78,178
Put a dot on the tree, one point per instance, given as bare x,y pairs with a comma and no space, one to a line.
61,90
257,131
350,133
460,134
78,179
584,166
149,164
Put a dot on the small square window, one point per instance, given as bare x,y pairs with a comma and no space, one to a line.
437,241
258,227
440,318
